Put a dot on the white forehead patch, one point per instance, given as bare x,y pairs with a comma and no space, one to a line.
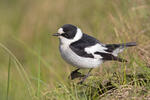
60,30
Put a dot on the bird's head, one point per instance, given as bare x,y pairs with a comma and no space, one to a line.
68,33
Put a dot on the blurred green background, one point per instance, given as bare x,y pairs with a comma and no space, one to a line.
30,63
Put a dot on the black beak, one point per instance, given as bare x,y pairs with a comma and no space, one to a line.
56,34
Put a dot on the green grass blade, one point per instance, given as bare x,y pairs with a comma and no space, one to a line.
8,79
21,70
39,73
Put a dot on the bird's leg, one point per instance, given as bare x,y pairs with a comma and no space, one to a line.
75,74
84,78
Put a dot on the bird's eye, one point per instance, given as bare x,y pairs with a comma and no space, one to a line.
65,35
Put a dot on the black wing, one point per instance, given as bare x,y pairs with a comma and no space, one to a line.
85,41
107,56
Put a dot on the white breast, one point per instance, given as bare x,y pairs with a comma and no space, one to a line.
72,58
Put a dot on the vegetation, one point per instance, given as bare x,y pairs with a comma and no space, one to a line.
31,67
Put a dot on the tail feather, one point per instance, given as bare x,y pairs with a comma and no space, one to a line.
129,44
112,47
117,48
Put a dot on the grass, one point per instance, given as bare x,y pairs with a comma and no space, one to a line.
20,69
39,72
35,69
8,80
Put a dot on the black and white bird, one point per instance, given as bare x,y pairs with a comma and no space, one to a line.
84,51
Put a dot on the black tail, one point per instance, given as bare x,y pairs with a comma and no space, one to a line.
112,47
129,44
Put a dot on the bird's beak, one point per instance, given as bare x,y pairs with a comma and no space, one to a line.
56,34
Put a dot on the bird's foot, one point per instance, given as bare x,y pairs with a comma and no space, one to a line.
75,74
85,77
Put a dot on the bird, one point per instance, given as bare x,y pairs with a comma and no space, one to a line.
86,52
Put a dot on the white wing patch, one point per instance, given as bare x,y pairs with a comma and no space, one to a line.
96,48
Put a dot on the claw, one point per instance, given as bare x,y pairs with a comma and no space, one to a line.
75,74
